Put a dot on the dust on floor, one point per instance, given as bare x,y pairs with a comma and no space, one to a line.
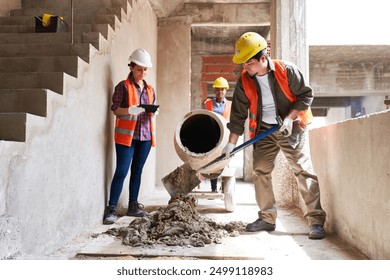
177,224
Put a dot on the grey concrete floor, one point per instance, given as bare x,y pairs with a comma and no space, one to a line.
289,240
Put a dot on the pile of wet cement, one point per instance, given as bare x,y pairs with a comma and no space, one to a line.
177,224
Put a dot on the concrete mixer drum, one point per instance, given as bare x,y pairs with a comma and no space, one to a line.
199,138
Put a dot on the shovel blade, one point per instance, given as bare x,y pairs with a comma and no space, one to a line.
181,181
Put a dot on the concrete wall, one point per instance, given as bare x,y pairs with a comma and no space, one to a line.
55,185
352,163
350,70
288,32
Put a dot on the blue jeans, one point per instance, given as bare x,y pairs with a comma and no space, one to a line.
136,154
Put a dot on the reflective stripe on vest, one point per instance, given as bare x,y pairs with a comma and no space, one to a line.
125,125
280,73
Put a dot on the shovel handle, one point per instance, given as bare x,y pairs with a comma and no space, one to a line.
255,139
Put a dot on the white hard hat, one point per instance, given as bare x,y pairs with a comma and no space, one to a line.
141,57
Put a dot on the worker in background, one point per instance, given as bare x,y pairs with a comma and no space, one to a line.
134,134
266,89
220,105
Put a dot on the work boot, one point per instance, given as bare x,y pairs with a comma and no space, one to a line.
260,225
136,209
110,215
316,232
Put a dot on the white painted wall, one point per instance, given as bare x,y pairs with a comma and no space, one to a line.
56,184
351,159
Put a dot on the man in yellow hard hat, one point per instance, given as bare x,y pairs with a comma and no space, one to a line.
268,89
220,105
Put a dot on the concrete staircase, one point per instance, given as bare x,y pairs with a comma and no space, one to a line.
33,65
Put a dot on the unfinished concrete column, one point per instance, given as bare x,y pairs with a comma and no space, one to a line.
288,32
173,88
288,42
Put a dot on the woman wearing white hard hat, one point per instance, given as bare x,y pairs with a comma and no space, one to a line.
134,133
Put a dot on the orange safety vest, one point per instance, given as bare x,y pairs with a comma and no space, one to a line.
226,113
125,125
305,117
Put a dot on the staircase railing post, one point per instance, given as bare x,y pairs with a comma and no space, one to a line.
71,18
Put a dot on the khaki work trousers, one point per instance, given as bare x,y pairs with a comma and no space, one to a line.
297,151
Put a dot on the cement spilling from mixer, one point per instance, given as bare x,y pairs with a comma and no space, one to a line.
181,181
177,224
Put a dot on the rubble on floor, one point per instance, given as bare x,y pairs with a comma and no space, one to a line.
177,224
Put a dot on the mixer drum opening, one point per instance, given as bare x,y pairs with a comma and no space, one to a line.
200,134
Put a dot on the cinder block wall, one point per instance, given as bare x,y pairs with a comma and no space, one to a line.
352,163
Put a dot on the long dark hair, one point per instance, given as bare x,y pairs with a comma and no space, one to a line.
131,64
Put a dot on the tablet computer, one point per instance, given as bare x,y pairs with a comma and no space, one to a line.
150,108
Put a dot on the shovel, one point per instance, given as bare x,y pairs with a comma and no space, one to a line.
184,179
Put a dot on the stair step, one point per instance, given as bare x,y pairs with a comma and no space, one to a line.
39,49
13,126
29,17
82,34
33,101
30,28
115,11
50,5
91,37
80,15
17,20
119,3
31,38
112,20
28,11
33,63
67,64
45,49
49,38
104,29
17,28
53,81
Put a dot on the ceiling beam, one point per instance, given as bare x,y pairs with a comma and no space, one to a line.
328,102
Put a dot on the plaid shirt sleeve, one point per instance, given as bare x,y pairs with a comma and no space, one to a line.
119,97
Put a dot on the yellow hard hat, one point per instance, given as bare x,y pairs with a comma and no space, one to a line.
249,44
221,83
